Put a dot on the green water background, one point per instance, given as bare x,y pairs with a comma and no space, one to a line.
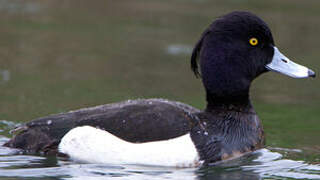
57,56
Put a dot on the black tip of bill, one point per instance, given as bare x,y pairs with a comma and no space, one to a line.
311,73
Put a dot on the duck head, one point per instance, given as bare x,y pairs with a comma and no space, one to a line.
234,50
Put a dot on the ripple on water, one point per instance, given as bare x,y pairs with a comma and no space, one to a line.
6,125
271,165
255,166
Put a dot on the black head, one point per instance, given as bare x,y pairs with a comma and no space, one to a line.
233,51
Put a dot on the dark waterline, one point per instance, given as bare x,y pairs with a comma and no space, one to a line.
258,165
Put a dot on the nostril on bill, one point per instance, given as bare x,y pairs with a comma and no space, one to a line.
283,60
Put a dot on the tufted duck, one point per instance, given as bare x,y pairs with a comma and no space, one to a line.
234,50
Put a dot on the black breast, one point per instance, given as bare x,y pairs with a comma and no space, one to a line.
226,134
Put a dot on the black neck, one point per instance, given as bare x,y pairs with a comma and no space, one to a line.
238,103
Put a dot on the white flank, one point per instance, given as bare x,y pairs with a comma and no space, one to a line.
92,145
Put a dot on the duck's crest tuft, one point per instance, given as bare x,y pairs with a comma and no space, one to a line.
195,53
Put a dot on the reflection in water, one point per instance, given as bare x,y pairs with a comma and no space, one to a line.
6,126
272,165
255,166
228,175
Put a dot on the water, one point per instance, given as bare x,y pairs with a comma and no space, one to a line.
262,164
59,55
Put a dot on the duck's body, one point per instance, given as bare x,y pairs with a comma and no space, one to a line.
136,121
213,135
233,51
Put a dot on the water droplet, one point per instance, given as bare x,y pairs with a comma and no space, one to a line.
49,122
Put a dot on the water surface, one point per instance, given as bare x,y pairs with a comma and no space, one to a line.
262,164
59,55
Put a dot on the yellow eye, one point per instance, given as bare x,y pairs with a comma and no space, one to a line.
253,41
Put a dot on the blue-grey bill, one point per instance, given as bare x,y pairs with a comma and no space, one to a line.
280,63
